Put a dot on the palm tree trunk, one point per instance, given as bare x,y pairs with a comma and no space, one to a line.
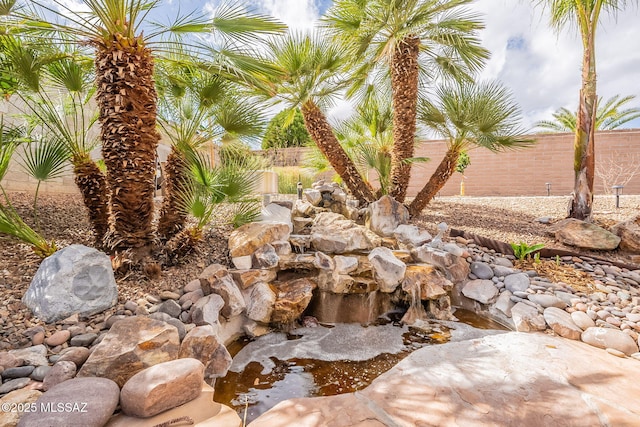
93,186
404,85
322,134
443,172
173,216
127,100
584,144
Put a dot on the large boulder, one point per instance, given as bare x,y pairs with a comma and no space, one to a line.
629,233
332,233
244,240
130,346
387,269
162,387
428,279
76,279
574,232
87,402
292,299
202,343
385,215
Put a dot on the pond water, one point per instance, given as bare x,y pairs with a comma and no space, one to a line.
328,359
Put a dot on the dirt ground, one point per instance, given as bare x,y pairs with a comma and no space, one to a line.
62,218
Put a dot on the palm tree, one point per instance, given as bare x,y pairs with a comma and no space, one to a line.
585,14
609,116
55,87
465,115
415,39
124,60
197,108
313,67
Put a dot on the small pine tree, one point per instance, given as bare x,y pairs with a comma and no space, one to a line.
280,135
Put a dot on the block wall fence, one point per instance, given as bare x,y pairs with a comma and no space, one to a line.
523,172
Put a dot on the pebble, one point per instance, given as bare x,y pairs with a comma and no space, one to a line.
615,352
170,307
18,372
582,320
83,340
58,338
168,295
12,385
39,373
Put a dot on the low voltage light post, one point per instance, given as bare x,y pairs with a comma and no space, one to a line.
618,189
548,184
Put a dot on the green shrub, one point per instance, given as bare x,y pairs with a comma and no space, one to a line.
286,131
523,250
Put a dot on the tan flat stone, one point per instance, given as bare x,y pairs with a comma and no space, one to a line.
510,379
202,410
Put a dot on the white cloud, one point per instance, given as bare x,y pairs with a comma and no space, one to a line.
297,14
543,68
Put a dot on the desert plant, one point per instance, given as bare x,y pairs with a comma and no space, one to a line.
523,250
289,177
285,131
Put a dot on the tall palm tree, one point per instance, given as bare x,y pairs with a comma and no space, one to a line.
313,67
609,116
585,14
124,60
465,115
413,39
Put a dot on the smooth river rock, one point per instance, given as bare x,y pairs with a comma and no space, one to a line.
610,338
483,291
561,323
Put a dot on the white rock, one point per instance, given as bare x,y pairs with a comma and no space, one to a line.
527,318
345,264
411,235
582,320
388,270
561,323
610,338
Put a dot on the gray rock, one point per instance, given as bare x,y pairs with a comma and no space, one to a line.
561,323
388,270
345,264
172,321
18,372
527,318
60,372
206,311
11,385
503,262
504,303
92,401
610,338
313,196
76,279
481,270
332,233
170,307
35,355
582,320
39,373
545,300
83,340
518,282
502,271
483,291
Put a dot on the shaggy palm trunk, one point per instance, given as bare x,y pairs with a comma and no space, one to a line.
173,216
404,85
93,186
443,172
584,145
322,134
127,99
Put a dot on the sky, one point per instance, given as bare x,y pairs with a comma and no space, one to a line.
542,68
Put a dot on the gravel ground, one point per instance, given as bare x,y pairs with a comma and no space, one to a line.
62,219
